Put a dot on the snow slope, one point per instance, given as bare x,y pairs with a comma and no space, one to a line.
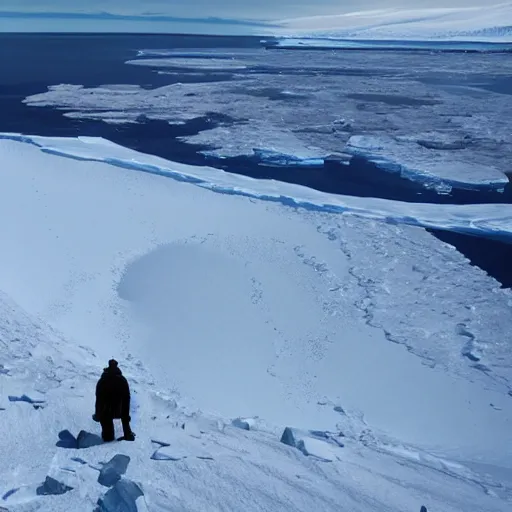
207,465
238,305
491,23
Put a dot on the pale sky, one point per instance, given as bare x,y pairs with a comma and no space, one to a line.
157,15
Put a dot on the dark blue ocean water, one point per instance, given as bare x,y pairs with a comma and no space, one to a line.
30,63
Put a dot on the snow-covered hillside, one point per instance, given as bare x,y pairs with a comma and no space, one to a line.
485,23
223,297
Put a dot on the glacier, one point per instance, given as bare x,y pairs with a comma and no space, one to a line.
338,43
489,23
221,303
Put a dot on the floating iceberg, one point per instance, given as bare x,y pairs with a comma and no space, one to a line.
423,160
273,158
210,64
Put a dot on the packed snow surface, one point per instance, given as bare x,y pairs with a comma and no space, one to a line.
483,23
234,316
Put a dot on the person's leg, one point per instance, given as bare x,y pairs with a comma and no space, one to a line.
128,434
107,430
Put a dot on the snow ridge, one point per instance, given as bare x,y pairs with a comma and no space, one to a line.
491,220
352,468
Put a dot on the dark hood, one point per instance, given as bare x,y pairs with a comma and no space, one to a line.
111,370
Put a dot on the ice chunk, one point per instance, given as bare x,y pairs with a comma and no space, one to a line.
112,471
122,496
52,487
311,446
288,437
169,453
275,158
67,440
87,440
160,443
241,423
37,404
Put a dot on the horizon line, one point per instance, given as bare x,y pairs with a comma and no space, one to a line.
151,34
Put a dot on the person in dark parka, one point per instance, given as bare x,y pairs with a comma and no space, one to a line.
113,402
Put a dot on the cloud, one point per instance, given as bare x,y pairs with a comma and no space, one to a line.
105,16
216,16
231,9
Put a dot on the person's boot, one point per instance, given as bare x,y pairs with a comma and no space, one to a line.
107,431
127,431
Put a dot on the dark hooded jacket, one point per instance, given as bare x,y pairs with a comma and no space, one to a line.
112,394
